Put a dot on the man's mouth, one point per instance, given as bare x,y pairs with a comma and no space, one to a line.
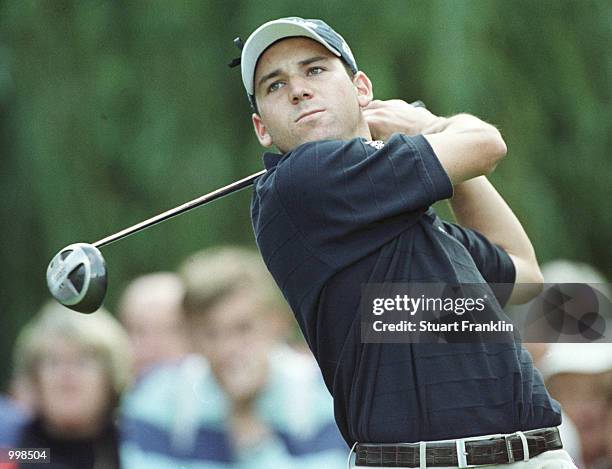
309,113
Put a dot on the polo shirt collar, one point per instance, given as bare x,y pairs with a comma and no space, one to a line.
271,160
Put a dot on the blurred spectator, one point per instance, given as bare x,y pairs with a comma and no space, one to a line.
20,390
609,429
12,419
569,433
566,271
252,402
578,375
150,310
15,410
77,366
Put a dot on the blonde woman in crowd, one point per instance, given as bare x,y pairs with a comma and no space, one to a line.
77,367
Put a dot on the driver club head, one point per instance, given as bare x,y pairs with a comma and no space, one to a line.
76,277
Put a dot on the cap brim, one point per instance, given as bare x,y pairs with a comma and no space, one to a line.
266,35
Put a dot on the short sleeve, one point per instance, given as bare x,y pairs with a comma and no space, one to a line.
350,194
493,262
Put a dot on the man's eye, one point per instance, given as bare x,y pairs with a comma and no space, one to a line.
315,70
275,86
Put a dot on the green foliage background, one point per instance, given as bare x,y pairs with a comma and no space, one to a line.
112,111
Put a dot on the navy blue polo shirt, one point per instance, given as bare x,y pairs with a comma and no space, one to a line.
330,216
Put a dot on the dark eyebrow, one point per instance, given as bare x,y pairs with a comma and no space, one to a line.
302,63
312,60
268,76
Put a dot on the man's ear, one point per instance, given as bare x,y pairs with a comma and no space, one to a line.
265,139
364,88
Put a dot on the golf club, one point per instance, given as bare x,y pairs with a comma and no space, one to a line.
77,276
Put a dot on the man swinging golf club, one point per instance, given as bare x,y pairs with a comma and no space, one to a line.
347,203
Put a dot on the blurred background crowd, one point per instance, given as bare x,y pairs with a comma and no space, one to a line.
111,112
202,368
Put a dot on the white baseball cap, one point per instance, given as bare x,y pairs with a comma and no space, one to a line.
583,358
273,31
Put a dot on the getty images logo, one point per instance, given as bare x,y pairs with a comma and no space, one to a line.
570,312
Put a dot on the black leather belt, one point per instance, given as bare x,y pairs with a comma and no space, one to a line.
496,450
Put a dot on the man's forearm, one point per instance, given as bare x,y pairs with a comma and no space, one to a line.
457,123
477,204
466,146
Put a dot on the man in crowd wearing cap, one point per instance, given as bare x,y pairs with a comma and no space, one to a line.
579,375
347,203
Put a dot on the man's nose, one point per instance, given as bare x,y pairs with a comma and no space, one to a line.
299,90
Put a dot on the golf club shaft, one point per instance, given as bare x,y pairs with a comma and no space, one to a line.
217,194
223,191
